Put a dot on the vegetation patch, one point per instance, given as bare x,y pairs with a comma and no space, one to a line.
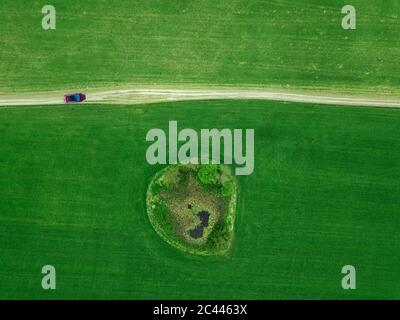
192,207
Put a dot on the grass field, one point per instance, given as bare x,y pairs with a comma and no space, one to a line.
279,43
324,194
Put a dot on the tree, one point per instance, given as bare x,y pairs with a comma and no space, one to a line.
208,174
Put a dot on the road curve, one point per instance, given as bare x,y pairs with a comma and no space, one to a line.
143,95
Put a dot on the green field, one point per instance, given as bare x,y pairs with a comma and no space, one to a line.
277,43
324,194
73,179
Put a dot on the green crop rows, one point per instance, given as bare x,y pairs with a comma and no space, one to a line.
324,194
285,44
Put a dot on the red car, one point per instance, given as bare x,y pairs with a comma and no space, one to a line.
74,98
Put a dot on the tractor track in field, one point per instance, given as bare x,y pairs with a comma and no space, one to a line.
143,95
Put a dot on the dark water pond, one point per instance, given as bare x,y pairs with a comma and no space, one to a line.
197,233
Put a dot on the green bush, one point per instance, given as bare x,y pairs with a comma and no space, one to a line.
161,214
208,174
219,237
227,189
156,187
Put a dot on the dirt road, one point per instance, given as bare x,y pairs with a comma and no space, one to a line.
143,95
